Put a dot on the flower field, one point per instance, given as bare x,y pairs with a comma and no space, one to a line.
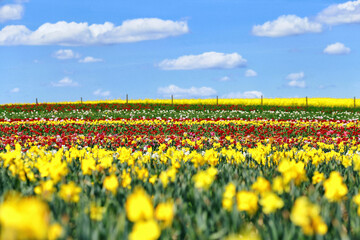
183,171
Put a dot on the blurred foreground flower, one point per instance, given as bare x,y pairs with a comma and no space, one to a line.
45,189
24,218
165,212
318,177
356,200
261,185
248,233
145,230
247,201
335,189
204,179
279,185
292,171
271,202
55,231
96,212
138,206
228,195
111,183
306,215
70,192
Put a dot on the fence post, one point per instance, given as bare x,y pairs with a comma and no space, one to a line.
81,100
127,99
307,101
172,99
37,101
262,99
354,102
217,100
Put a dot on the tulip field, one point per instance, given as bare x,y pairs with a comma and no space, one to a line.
189,170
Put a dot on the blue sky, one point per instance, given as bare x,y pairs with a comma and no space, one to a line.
64,50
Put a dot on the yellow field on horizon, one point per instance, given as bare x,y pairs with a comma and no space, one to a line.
301,102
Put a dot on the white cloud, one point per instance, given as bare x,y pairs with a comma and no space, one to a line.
247,94
207,60
90,60
100,92
65,82
78,34
295,76
295,80
224,79
250,73
186,92
15,90
64,54
348,12
11,12
297,84
286,25
337,48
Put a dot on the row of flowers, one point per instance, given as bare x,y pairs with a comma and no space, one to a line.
149,194
194,133
176,113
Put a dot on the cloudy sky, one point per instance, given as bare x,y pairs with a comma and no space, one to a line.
63,50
